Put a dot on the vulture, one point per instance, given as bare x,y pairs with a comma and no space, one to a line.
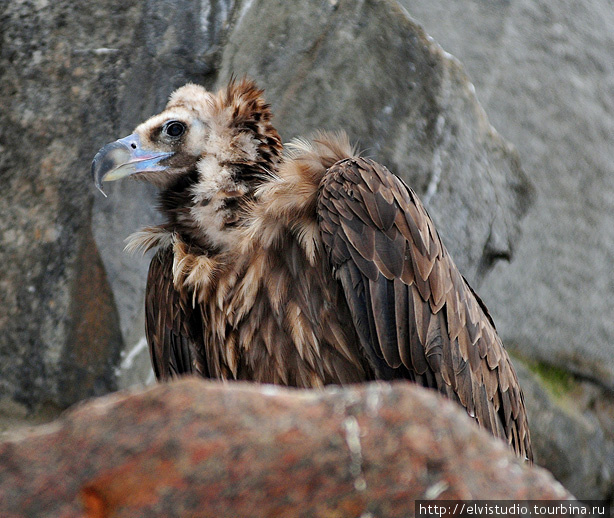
303,266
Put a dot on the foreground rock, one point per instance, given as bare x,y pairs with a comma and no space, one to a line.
195,448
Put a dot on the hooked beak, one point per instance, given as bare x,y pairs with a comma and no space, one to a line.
124,157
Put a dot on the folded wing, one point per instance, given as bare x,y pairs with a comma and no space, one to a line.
415,314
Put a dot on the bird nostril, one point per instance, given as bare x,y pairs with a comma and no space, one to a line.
133,145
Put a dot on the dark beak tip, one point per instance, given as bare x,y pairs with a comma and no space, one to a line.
99,187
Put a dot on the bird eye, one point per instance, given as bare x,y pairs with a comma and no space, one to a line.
174,129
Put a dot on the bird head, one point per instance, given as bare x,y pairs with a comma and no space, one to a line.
224,139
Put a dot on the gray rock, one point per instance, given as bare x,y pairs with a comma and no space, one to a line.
569,434
545,73
59,328
76,75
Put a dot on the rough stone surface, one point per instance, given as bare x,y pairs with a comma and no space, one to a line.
59,328
75,75
572,434
200,449
545,74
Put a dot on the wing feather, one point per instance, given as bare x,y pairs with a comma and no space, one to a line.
401,307
415,315
417,351
172,327
360,236
383,303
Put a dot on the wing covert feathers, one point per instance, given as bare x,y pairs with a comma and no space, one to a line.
415,314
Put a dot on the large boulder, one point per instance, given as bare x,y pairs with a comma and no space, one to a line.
203,449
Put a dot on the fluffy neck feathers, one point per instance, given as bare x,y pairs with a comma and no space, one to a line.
253,211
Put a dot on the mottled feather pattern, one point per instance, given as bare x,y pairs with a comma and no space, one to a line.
307,266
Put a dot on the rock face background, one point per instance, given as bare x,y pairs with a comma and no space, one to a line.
201,449
75,75
544,73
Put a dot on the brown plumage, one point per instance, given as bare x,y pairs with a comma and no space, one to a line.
303,268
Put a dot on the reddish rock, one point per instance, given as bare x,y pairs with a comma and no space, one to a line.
199,449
